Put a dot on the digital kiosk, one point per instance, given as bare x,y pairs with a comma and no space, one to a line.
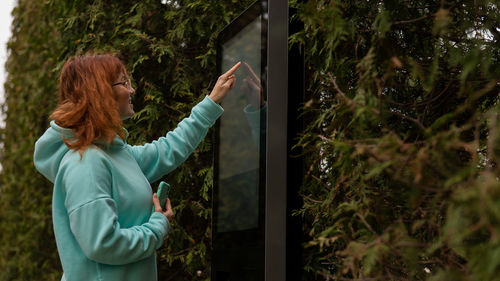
256,175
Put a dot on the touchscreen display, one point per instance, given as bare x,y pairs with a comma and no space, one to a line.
241,150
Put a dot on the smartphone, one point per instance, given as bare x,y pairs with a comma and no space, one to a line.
163,190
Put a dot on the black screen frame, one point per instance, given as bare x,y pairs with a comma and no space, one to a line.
276,251
228,244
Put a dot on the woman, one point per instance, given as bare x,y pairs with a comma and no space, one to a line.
102,197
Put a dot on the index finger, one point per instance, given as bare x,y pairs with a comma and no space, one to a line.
232,70
168,205
252,75
156,203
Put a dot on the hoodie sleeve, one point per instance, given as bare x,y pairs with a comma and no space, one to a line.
93,217
163,155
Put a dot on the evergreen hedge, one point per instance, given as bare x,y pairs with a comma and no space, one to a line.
401,142
402,179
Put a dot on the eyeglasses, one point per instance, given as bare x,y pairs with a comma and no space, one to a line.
125,83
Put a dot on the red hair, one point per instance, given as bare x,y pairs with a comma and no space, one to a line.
87,103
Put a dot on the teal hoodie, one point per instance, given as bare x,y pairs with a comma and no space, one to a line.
102,201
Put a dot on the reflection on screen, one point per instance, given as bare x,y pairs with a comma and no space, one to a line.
241,138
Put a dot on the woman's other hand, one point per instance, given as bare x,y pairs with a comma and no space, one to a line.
224,84
168,207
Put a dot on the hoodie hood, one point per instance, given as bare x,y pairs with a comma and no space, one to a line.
50,149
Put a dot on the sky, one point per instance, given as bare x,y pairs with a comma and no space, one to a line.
6,7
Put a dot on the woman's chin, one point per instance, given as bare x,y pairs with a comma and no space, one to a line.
128,115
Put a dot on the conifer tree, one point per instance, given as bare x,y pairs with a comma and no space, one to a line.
401,142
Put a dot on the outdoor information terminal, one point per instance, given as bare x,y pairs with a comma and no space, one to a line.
255,179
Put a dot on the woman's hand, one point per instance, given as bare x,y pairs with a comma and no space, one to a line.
252,89
168,212
224,84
